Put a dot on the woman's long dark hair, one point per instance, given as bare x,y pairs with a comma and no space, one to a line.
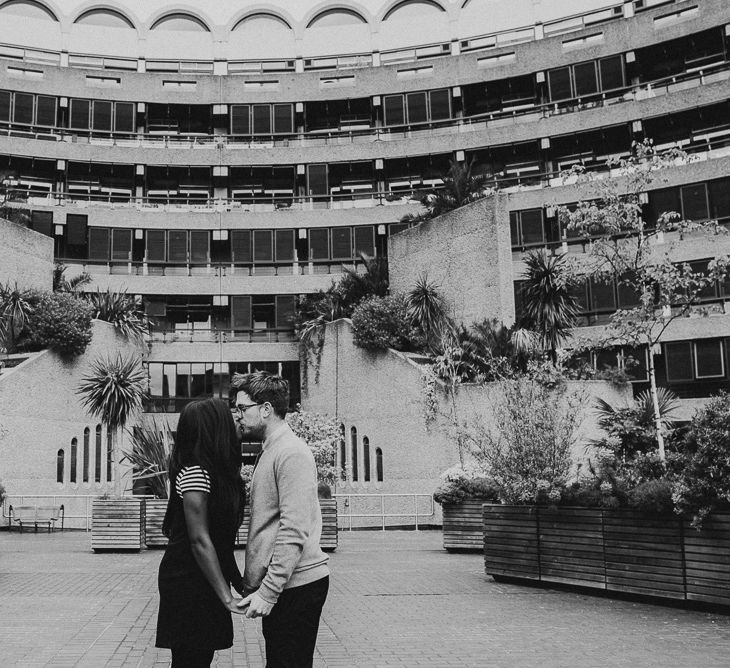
206,437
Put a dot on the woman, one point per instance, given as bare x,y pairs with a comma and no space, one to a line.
203,515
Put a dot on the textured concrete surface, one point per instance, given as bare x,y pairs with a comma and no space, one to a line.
397,599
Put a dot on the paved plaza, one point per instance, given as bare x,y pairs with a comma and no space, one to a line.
397,599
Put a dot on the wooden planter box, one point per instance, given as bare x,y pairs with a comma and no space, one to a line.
328,541
155,510
463,525
117,524
616,551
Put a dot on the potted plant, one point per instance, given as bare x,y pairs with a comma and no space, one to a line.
461,493
113,391
149,453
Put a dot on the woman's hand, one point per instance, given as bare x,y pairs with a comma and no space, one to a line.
232,606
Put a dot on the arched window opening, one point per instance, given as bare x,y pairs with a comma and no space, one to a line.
109,454
105,18
85,466
366,458
74,455
336,18
353,454
262,21
409,10
28,9
97,455
60,463
343,454
180,22
378,464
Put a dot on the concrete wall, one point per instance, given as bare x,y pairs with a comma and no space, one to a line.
40,414
381,395
26,257
467,253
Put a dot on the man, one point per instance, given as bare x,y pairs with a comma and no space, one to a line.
286,575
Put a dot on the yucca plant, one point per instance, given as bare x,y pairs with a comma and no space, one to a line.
428,312
113,391
149,450
121,310
15,309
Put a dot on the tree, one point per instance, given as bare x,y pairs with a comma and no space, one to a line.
113,391
550,308
63,284
624,248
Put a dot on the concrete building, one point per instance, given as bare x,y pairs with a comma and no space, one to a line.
221,162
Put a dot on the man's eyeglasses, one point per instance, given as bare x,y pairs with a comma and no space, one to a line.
242,408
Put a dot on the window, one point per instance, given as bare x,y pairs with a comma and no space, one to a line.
353,454
440,104
694,202
97,455
586,78
719,191
420,107
527,227
80,114
394,110
560,85
109,455
5,106
709,362
46,111
199,246
317,182
366,458
678,361
319,244
365,240
241,246
417,107
262,119
612,73
343,454
285,308
635,363
85,458
102,115
60,462
263,241
155,246
378,465
76,233
42,221
177,246
74,455
241,313
99,243
602,296
341,243
122,245
662,201
586,82
23,108
284,245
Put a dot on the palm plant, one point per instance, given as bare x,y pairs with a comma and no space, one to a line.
15,309
428,312
73,284
113,392
122,310
354,286
549,306
149,454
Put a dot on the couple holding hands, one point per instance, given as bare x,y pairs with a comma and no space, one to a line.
286,577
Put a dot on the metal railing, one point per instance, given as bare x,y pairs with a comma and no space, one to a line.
382,514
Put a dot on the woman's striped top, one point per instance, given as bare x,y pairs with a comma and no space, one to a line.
192,479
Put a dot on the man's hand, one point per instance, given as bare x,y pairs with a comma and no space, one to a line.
257,607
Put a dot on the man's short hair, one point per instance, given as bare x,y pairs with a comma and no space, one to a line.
262,387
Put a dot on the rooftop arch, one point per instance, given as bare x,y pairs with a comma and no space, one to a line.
337,16
105,17
30,9
405,9
181,21
270,19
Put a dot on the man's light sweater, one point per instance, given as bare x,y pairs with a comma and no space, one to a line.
286,521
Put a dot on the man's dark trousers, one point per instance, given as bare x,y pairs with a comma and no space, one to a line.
290,630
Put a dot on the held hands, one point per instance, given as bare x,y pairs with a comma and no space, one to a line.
235,606
254,606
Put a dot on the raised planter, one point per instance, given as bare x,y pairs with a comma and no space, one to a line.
463,525
328,541
154,515
615,551
117,524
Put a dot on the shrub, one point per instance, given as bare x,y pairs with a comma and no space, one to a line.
652,497
3,494
459,483
59,321
382,322
704,482
322,434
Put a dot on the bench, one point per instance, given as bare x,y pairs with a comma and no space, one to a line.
35,515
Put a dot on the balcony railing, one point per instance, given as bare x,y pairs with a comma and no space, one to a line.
194,335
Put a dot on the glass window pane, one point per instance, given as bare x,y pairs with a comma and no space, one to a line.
155,378
76,229
612,72
262,119
602,296
532,227
241,312
341,243
317,180
122,245
394,114
635,363
241,246
417,112
102,116
709,359
719,191
285,312
42,221
440,108
98,243
177,246
661,202
46,111
80,114
284,245
240,119
585,78
155,251
124,117
694,202
199,246
559,81
262,246
319,244
283,119
514,228
365,240
23,108
4,106
678,361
